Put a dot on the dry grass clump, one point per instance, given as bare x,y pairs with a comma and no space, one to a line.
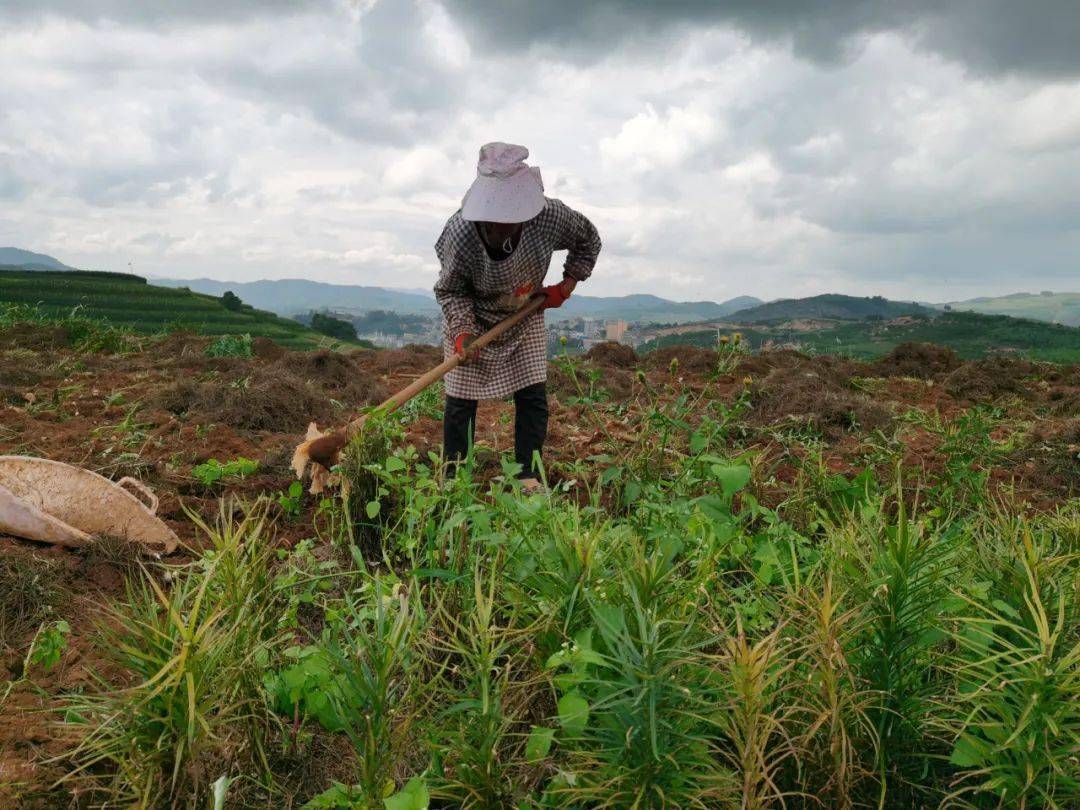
411,359
337,374
691,358
267,349
266,399
817,398
611,354
179,397
989,378
35,336
923,360
760,364
30,589
1050,456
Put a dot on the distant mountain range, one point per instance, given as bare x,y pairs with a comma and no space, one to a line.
296,296
649,308
30,260
290,297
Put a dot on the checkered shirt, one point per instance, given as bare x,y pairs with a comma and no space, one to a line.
476,292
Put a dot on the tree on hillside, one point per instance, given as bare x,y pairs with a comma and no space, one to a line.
231,301
334,327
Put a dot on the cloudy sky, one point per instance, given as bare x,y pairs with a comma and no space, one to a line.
923,149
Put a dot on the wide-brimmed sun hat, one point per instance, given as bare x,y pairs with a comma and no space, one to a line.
506,189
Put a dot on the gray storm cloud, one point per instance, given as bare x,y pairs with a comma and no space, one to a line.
922,149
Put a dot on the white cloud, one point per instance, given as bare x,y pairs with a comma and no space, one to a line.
651,140
334,140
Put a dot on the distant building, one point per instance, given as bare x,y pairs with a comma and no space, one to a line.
593,328
615,330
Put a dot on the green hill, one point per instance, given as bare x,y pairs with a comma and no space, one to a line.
831,306
1061,308
30,260
128,300
970,334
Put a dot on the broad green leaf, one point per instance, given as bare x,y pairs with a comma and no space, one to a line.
698,442
968,752
611,474
538,745
414,796
372,509
731,477
573,713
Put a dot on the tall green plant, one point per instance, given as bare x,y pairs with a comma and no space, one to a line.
1017,706
196,710
485,683
900,570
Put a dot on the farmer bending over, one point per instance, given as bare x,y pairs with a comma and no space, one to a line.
494,253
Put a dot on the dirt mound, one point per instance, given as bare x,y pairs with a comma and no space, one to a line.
412,359
559,383
338,375
178,397
268,399
266,349
178,346
816,397
611,354
758,365
923,360
1051,457
34,336
605,384
840,368
1063,375
21,372
835,369
1064,401
694,359
989,378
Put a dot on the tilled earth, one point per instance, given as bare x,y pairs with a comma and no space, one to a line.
156,413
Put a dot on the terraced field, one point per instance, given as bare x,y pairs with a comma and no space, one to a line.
128,300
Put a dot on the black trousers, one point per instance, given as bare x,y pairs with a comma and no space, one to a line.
530,426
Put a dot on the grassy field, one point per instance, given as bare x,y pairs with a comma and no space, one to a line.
969,334
758,581
129,301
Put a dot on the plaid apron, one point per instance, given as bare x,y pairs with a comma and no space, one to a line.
476,292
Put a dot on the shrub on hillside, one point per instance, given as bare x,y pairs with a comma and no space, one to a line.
334,327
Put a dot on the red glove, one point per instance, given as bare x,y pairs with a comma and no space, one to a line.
461,347
556,294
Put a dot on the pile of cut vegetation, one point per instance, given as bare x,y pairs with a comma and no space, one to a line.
279,396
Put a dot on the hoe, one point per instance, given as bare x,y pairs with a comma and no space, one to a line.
323,450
